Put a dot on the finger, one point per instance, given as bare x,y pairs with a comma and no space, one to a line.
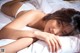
56,38
52,44
49,45
57,43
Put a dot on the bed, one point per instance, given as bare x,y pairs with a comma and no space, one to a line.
69,44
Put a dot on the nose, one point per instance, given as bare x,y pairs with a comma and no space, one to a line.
54,31
51,30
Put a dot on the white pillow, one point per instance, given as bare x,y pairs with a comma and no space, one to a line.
68,45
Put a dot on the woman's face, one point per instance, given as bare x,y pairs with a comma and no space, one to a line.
52,27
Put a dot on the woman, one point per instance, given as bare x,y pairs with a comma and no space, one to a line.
57,21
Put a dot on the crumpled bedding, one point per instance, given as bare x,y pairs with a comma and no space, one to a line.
48,6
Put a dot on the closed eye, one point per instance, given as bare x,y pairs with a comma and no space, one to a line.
64,32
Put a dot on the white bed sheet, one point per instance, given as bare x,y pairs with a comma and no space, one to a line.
71,44
4,19
48,6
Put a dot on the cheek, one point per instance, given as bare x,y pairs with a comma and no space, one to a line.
60,33
46,29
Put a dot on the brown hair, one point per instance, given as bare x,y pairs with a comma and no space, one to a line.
65,18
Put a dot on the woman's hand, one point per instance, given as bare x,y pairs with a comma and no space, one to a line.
50,39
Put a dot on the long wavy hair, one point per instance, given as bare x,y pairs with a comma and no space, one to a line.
67,19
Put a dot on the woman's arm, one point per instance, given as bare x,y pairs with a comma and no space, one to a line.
16,34
50,39
16,46
30,17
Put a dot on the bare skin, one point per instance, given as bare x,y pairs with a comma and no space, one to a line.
23,19
14,47
11,8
